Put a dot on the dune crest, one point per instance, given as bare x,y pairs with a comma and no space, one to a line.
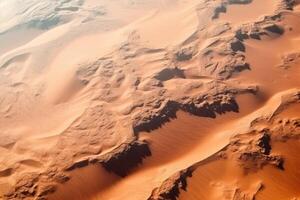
150,100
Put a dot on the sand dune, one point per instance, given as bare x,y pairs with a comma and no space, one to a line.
150,100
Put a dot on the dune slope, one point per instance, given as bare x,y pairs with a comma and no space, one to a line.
150,100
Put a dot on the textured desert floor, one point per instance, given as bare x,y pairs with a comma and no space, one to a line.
150,100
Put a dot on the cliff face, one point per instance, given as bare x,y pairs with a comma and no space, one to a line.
149,100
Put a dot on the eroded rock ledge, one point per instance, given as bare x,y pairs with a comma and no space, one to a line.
170,188
252,150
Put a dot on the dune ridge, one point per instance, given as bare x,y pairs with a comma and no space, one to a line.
161,100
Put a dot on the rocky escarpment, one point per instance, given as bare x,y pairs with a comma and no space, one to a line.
125,158
204,106
170,189
252,151
123,162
